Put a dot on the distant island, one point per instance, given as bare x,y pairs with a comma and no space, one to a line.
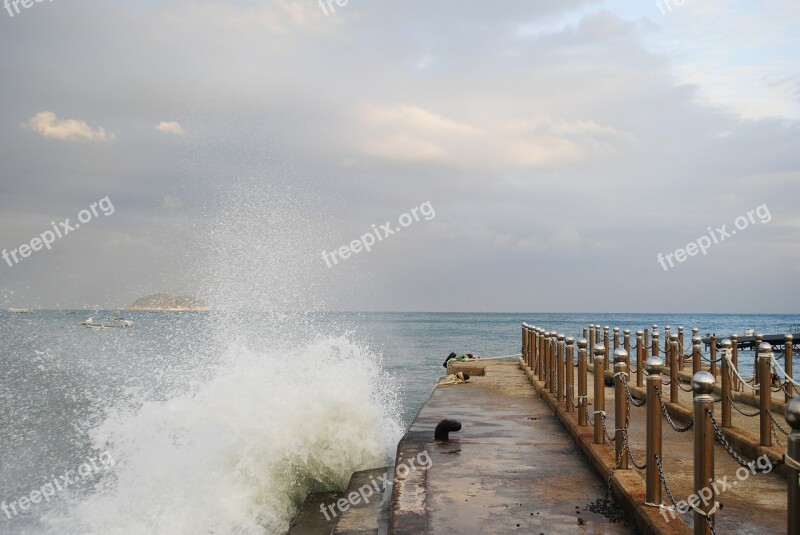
159,302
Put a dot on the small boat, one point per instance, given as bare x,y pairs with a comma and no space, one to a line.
112,322
18,310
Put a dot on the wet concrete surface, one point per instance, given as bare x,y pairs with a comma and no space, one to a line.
512,467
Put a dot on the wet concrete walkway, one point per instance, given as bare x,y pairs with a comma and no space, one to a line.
512,467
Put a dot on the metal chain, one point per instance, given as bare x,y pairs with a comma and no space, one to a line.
669,418
725,444
774,421
679,386
664,482
740,411
605,429
630,453
631,399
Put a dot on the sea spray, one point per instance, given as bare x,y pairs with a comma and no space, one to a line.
239,454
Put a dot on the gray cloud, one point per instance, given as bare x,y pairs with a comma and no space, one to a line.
560,149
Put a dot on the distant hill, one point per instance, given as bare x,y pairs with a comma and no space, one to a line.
168,302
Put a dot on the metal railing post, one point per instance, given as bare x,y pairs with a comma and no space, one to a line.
697,359
540,364
787,363
735,359
525,343
765,391
639,359
569,368
713,355
654,352
680,337
582,380
654,366
674,356
792,415
560,350
599,392
725,350
620,407
627,345
606,342
703,386
591,342
616,338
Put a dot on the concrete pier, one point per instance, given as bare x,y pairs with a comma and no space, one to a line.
511,468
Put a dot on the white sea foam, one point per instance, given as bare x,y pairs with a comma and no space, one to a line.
238,455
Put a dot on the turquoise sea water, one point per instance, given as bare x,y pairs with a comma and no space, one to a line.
176,403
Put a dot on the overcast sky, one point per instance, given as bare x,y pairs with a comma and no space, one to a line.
563,145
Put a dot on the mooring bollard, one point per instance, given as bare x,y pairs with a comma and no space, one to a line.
735,359
697,359
639,359
654,366
620,407
627,345
599,392
725,351
788,340
675,355
765,391
569,368
582,380
713,354
792,415
560,368
703,386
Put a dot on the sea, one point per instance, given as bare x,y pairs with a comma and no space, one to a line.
204,422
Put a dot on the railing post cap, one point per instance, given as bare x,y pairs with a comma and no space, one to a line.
703,383
599,350
695,330
789,337
655,326
726,344
620,355
616,329
569,340
626,332
667,328
654,365
764,348
640,333
792,414
582,343
655,334
734,336
524,324
561,337
680,328
606,328
696,340
673,337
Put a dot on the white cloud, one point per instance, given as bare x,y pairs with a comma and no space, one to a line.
170,127
46,124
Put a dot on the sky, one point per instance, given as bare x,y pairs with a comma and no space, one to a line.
561,155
